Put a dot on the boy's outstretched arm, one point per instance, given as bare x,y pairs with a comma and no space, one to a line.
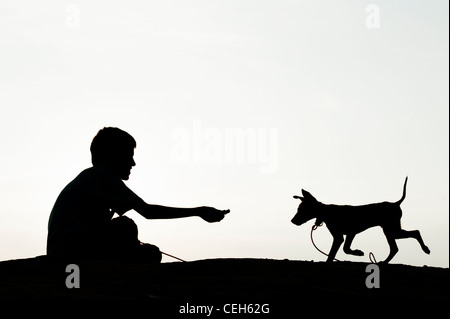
208,214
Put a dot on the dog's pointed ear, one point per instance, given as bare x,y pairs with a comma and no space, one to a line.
307,195
298,197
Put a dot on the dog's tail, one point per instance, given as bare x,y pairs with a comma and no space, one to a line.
404,192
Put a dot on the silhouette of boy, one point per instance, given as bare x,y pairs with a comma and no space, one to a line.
81,224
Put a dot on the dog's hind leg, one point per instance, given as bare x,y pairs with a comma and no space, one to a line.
337,242
348,243
412,234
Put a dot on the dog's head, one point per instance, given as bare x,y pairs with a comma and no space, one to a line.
306,210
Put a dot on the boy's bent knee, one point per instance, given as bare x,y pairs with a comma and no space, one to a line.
149,253
123,222
123,230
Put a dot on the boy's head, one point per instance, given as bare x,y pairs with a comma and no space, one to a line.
114,148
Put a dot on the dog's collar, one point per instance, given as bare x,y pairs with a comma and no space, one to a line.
318,222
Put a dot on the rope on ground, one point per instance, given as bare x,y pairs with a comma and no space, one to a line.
173,256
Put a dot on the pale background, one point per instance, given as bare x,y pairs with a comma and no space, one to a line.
356,100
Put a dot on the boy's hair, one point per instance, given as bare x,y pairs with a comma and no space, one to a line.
108,142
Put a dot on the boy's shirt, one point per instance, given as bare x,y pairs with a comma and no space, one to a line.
85,206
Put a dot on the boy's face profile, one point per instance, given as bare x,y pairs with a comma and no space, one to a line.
122,163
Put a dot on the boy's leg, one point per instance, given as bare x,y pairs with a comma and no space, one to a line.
124,243
148,253
123,232
122,239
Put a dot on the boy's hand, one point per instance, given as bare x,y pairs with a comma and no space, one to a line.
212,215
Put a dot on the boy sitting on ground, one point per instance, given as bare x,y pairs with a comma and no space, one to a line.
81,223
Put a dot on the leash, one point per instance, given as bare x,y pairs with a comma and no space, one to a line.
314,227
312,240
173,256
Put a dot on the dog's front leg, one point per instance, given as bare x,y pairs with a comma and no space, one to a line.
338,239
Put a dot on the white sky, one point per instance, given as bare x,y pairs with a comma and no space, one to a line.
336,107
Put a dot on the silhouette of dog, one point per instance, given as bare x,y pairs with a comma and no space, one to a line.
350,220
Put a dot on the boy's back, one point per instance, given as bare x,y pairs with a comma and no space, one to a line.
83,210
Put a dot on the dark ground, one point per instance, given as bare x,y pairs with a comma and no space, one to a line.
292,287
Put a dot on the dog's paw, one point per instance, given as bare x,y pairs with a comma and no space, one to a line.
358,252
426,250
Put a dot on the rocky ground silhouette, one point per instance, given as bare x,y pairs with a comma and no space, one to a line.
281,285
